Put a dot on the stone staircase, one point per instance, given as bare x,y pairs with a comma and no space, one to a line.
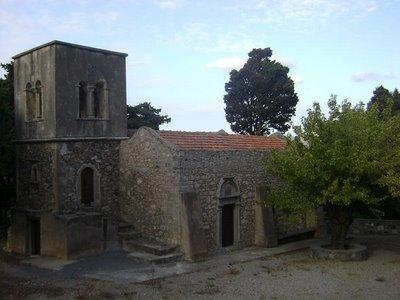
145,249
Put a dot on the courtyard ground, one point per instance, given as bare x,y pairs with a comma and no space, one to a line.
248,275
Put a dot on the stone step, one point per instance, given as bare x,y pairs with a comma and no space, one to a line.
125,227
152,247
129,235
156,259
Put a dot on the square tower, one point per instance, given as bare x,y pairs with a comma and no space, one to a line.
65,91
70,116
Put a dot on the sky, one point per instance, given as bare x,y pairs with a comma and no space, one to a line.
181,51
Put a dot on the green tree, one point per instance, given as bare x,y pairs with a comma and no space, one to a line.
7,150
382,98
144,114
260,96
337,162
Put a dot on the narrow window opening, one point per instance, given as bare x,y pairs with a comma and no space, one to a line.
39,104
87,186
34,174
100,100
82,99
30,103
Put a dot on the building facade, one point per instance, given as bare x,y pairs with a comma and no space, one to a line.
83,186
70,115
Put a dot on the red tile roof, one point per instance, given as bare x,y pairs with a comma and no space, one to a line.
221,141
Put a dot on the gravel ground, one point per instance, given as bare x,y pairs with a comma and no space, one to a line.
292,275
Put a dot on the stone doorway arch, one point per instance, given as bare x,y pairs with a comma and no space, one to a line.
228,213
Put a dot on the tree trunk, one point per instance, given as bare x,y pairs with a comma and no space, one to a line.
341,219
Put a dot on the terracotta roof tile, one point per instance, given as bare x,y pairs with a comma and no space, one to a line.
221,141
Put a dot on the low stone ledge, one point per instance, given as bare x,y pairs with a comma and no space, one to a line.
375,227
355,252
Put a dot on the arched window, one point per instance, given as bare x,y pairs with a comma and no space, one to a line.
100,100
87,186
30,103
82,99
39,108
228,188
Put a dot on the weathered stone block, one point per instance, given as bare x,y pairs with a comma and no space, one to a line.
193,242
264,232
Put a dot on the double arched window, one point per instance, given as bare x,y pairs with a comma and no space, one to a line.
93,100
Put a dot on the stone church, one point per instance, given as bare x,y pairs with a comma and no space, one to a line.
85,185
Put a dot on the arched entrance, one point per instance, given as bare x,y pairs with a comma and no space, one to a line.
228,213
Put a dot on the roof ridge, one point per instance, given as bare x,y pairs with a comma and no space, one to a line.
216,141
216,133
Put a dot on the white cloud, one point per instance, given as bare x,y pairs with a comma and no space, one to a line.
227,63
199,36
169,4
371,76
390,75
288,62
297,79
282,11
232,42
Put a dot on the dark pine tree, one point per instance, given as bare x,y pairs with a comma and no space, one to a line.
382,97
260,96
7,149
144,114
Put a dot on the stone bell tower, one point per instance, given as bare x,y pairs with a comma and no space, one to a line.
70,116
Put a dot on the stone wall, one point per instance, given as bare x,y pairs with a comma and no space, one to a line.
202,172
375,227
29,68
290,224
54,189
150,197
103,155
60,67
36,193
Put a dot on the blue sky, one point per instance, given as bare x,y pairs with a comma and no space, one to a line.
180,52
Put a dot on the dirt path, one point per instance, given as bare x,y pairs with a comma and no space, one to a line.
293,275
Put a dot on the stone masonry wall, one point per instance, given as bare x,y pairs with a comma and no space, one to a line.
36,193
150,186
103,155
202,172
375,227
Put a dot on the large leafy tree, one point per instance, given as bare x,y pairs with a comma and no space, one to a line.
260,96
144,114
7,151
338,161
383,98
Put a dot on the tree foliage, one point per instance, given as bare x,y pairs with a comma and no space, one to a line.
338,162
144,114
7,150
260,96
382,98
